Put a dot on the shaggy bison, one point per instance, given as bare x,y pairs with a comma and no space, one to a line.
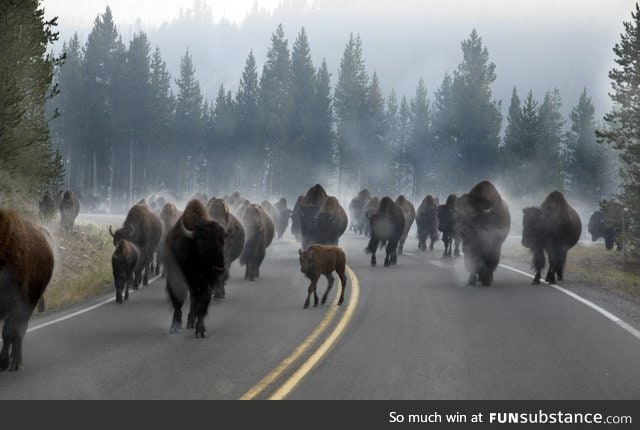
69,210
370,208
484,222
409,213
387,226
311,205
356,211
554,228
323,260
125,262
234,240
284,214
331,222
427,222
447,225
194,256
26,266
607,222
259,232
144,229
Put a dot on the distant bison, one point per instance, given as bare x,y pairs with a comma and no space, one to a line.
409,213
449,228
484,222
234,237
125,261
26,266
607,222
284,213
427,222
47,206
144,229
259,232
356,211
554,228
69,210
387,225
369,209
323,260
194,256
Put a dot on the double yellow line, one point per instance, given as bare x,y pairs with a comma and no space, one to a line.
296,377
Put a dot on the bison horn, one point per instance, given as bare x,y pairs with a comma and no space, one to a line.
111,232
187,233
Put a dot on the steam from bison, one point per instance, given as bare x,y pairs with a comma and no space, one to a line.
323,260
387,226
194,258
484,222
26,266
554,228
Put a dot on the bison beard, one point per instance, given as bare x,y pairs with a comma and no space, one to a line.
26,266
194,258
484,222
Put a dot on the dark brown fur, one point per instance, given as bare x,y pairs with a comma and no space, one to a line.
194,255
26,266
386,227
409,212
447,225
427,222
323,260
125,261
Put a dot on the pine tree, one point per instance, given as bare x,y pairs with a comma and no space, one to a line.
350,102
420,144
26,74
188,127
274,107
444,134
549,151
321,156
246,177
375,154
477,117
623,123
585,166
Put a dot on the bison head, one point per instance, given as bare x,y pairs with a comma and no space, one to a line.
306,260
208,242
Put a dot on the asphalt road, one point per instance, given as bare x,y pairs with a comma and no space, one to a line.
413,331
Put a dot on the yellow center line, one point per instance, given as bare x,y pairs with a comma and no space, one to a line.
287,362
291,383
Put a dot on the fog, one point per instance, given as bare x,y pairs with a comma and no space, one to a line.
536,46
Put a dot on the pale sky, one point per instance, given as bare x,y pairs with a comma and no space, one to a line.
81,13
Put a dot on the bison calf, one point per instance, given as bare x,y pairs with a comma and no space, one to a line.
323,260
126,266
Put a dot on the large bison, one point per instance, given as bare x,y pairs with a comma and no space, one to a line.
356,211
409,212
234,239
259,232
194,257
323,260
607,222
331,222
125,263
311,205
427,222
554,228
387,226
69,209
284,213
448,226
484,222
144,229
26,266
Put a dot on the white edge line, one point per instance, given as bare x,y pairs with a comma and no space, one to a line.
82,311
632,330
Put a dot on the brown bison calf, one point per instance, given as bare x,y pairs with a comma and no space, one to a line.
26,266
323,260
126,265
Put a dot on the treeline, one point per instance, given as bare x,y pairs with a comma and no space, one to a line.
28,164
124,132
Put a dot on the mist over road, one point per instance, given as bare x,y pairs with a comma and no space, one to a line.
418,332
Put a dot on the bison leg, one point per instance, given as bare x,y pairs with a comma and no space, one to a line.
371,248
343,284
147,270
13,332
312,290
536,278
177,296
191,317
486,277
473,279
331,279
392,254
551,276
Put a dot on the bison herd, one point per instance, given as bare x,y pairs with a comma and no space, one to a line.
196,246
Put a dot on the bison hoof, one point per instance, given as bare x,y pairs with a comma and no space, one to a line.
4,364
202,334
536,282
119,300
373,264
175,329
306,305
